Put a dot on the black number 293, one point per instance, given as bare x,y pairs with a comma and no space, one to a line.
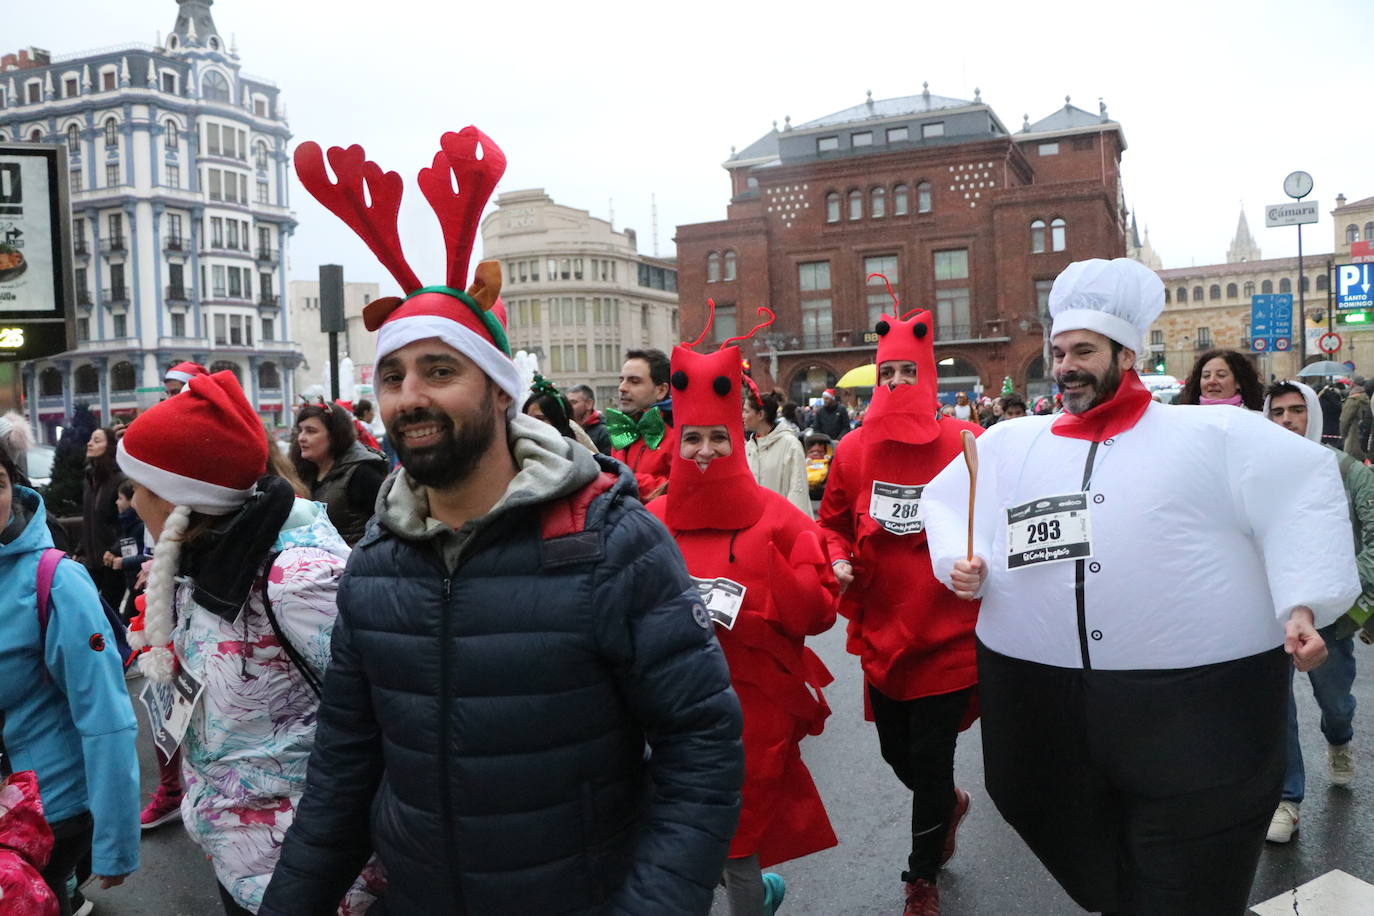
1043,531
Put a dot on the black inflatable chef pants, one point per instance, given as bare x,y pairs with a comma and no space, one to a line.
1143,792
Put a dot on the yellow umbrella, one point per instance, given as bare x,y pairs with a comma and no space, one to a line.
859,377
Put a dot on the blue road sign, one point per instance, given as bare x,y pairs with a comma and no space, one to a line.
1353,285
1271,321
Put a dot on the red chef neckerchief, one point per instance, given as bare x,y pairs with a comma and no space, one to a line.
1112,417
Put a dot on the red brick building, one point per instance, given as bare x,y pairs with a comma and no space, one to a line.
967,218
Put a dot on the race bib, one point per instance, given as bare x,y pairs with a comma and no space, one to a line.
1049,530
128,547
896,507
169,708
723,597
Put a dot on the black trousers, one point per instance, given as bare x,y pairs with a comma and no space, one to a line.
71,844
111,585
231,906
917,739
1142,792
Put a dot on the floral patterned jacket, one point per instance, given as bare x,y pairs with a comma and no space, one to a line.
245,753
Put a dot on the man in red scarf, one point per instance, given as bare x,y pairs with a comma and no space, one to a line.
914,638
1145,571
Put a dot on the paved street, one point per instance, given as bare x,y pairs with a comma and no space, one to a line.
992,874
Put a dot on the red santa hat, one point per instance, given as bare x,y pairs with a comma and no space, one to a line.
471,320
204,449
184,372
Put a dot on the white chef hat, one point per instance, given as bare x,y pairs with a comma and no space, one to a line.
1119,298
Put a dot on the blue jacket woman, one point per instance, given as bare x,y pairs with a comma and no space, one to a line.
67,714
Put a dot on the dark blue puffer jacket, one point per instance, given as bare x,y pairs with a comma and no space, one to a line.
549,729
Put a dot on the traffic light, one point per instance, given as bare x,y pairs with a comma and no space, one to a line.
1159,365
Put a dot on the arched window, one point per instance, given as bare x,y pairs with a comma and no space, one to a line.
73,139
1368,231
1285,285
86,380
50,383
713,267
1182,294
856,204
268,376
1249,288
111,133
1166,295
832,207
225,365
1267,287
1321,283
1231,290
214,44
730,264
1058,242
1037,230
36,136
923,197
901,204
1197,293
878,203
214,87
1214,292
171,135
122,377
1305,285
260,155
1352,233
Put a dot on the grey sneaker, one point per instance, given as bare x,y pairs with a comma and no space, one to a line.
1340,762
1284,824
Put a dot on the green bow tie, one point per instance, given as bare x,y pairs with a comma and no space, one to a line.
625,431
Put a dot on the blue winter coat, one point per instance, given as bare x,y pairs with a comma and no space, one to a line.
67,712
548,729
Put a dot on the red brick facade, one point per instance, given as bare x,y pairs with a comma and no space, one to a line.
985,193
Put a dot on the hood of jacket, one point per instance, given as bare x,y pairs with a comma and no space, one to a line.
308,525
548,467
779,435
357,453
1314,410
31,517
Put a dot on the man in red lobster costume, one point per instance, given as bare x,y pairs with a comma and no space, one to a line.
761,568
914,639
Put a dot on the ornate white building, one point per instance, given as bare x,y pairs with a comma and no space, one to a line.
180,215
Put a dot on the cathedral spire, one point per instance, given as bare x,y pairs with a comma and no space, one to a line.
195,26
1243,246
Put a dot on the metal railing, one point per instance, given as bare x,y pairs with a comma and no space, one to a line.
174,243
176,293
267,254
113,243
115,294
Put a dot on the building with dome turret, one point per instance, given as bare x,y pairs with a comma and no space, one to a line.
180,213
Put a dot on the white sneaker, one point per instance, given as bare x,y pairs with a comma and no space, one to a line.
1284,824
1340,762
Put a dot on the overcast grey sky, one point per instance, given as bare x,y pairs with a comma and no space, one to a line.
1219,99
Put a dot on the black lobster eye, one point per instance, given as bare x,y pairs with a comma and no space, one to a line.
722,385
679,380
919,330
882,328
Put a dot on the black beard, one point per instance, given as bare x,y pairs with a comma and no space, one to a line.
1099,390
458,452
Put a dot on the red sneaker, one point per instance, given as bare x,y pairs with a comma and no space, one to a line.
922,898
161,809
956,817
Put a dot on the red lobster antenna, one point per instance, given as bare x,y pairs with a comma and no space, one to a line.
471,161
763,310
710,320
360,180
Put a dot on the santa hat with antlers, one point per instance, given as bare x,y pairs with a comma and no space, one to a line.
469,318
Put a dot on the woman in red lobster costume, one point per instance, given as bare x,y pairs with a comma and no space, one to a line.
912,635
762,571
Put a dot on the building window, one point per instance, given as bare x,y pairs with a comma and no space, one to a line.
827,144
713,267
832,207
813,275
1285,285
34,89
1267,287
111,133
1156,338
1042,297
83,330
36,136
264,195
171,136
214,87
1049,149
1057,232
1231,291
69,87
1352,233
1204,338
120,326
1321,283
856,204
107,81
896,134
50,383
730,260
951,265
169,83
73,140
1214,292
122,376
577,268
878,299
952,320
901,204
726,323
260,156
112,174
1369,232
1249,288
862,138
173,176
260,107
268,376
1037,236
817,329
878,202
224,365
923,197
178,324
1182,294
1197,293
86,380
929,131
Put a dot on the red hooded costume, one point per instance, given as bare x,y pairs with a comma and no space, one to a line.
913,636
780,590
649,465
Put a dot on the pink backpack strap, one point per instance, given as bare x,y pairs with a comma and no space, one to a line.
47,568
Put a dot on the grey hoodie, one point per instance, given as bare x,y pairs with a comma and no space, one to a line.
549,467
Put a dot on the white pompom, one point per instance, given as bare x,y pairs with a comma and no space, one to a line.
158,664
137,640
